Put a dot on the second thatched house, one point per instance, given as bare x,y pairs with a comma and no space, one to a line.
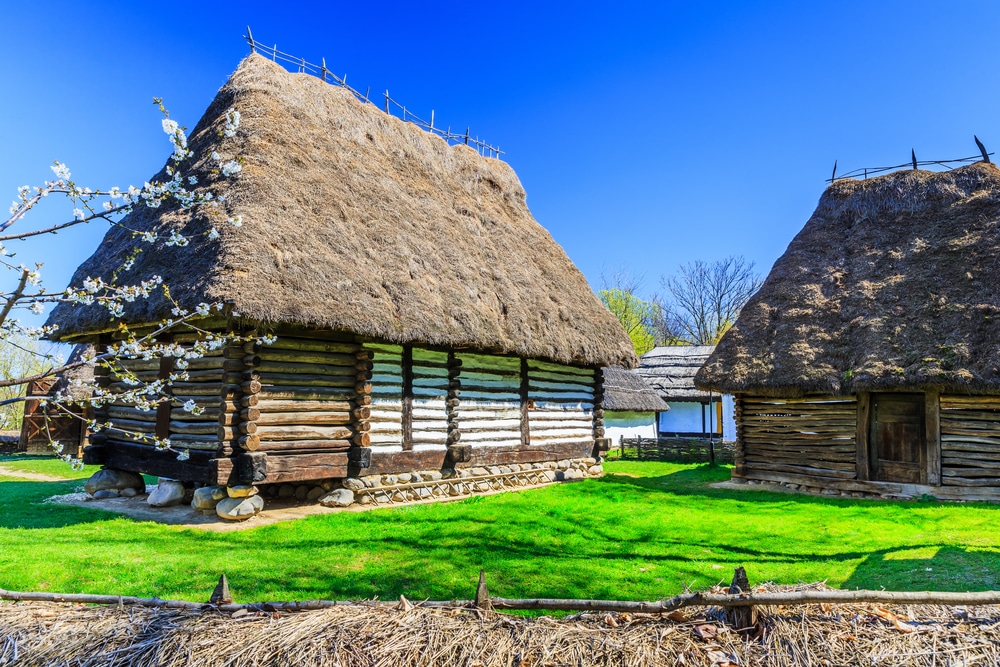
424,320
869,361
631,407
694,413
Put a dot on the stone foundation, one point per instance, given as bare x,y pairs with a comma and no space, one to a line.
408,487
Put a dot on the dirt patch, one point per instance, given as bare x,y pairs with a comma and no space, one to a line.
32,476
275,509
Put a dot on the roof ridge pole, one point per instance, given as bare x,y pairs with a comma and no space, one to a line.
387,100
253,46
982,149
323,69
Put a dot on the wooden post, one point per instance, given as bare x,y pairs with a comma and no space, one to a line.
932,424
360,455
598,403
861,439
482,599
221,593
739,456
525,422
407,392
456,453
740,618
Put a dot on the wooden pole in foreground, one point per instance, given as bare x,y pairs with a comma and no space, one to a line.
790,598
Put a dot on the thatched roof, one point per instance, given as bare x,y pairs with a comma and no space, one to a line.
66,381
892,284
670,370
355,220
626,391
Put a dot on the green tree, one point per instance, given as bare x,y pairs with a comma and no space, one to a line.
20,357
619,293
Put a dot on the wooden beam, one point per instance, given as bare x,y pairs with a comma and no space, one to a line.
525,425
407,397
861,439
932,424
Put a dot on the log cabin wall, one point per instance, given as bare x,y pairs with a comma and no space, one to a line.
489,408
562,404
970,441
306,408
130,445
386,431
429,395
811,437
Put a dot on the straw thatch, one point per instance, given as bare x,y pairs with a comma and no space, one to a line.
626,391
857,634
354,220
892,284
670,370
67,382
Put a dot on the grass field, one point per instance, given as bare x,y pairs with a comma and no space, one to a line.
644,531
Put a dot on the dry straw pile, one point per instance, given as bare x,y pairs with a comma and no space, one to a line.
859,634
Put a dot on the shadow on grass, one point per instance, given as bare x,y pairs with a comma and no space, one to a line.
22,506
944,568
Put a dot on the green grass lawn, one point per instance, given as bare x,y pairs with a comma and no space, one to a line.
645,531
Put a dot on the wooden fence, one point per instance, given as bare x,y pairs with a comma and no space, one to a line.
679,450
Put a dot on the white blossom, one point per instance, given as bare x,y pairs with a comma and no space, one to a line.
236,221
61,171
231,167
190,405
78,214
169,126
232,122
37,308
177,239
213,234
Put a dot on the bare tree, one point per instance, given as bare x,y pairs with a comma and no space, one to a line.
702,301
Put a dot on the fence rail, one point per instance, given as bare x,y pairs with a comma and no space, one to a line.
914,163
485,149
679,449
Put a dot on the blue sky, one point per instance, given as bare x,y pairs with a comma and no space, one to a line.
647,135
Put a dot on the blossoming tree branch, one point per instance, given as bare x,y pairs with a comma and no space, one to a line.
113,293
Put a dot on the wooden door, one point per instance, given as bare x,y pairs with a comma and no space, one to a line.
897,438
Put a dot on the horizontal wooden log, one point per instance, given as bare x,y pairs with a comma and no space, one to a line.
280,380
305,445
307,393
116,413
251,386
804,470
317,418
304,344
969,444
162,463
302,357
206,415
199,428
970,402
123,425
306,466
296,432
362,439
534,364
